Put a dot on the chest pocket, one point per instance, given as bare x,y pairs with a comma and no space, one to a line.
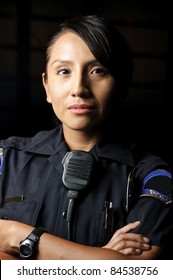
15,208
104,228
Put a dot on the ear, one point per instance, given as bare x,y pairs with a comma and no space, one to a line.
45,84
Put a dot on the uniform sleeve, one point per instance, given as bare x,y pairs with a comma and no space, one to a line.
151,202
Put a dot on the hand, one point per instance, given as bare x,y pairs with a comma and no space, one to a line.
128,243
11,233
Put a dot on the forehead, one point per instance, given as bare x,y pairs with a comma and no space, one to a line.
69,43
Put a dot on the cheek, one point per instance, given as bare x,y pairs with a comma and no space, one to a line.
107,103
54,93
106,98
57,100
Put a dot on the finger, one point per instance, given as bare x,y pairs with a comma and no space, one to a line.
131,251
129,236
128,227
123,241
137,237
127,244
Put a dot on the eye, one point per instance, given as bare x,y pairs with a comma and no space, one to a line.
99,70
63,71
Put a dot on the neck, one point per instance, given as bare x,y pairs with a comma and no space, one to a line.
79,140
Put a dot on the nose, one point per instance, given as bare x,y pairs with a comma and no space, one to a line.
80,86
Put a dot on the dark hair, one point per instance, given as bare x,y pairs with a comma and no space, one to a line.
107,45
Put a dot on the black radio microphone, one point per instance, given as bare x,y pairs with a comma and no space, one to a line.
76,176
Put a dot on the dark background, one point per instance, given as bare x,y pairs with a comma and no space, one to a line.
25,28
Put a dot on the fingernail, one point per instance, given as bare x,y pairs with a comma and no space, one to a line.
138,251
146,239
147,246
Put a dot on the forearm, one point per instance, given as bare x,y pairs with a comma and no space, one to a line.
4,256
51,247
54,248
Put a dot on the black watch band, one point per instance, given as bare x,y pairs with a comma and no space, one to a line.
28,246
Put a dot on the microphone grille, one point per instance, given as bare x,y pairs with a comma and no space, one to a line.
77,169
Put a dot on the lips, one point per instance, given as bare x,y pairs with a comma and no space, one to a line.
81,108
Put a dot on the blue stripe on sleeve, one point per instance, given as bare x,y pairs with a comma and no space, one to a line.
158,172
166,198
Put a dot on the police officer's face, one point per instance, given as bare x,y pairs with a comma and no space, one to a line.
78,86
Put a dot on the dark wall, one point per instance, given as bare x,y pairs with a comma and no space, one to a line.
26,26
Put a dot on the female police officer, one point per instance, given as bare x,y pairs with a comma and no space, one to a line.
74,192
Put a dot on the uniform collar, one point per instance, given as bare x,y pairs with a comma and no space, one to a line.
44,142
51,143
114,151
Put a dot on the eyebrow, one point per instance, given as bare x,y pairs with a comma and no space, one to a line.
60,61
69,62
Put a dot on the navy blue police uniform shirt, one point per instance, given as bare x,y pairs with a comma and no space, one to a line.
120,190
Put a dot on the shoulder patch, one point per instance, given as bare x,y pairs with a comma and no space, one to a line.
158,184
1,159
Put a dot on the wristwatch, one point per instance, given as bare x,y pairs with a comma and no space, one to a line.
28,246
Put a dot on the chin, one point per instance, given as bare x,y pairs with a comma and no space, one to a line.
80,127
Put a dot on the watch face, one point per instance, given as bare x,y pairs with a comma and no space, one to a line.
26,249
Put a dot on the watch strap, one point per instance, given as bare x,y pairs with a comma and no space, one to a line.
31,241
36,233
